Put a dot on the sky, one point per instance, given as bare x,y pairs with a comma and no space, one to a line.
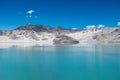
66,13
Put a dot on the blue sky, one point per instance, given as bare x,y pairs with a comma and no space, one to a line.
67,13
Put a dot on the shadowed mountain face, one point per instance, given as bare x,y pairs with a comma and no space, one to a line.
110,35
41,28
64,40
1,33
37,28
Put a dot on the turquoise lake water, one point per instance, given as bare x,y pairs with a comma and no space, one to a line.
60,63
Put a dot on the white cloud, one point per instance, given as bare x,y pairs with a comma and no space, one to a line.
30,12
74,28
118,23
90,26
100,26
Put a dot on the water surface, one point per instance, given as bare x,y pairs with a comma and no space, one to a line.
101,62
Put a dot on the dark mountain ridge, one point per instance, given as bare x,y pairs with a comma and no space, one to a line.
42,28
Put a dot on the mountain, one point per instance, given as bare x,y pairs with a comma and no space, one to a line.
42,28
46,35
65,40
108,35
37,28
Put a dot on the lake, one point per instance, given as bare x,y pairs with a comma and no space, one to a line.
97,62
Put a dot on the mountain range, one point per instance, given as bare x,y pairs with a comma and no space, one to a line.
47,35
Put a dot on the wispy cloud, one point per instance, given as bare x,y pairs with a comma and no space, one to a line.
90,26
100,26
118,23
29,16
30,12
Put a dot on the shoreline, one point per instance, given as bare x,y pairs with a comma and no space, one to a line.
33,44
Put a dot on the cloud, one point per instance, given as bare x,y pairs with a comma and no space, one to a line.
118,23
30,12
31,16
90,26
100,26
74,28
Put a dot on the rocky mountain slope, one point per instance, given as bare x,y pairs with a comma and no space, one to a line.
46,35
108,35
